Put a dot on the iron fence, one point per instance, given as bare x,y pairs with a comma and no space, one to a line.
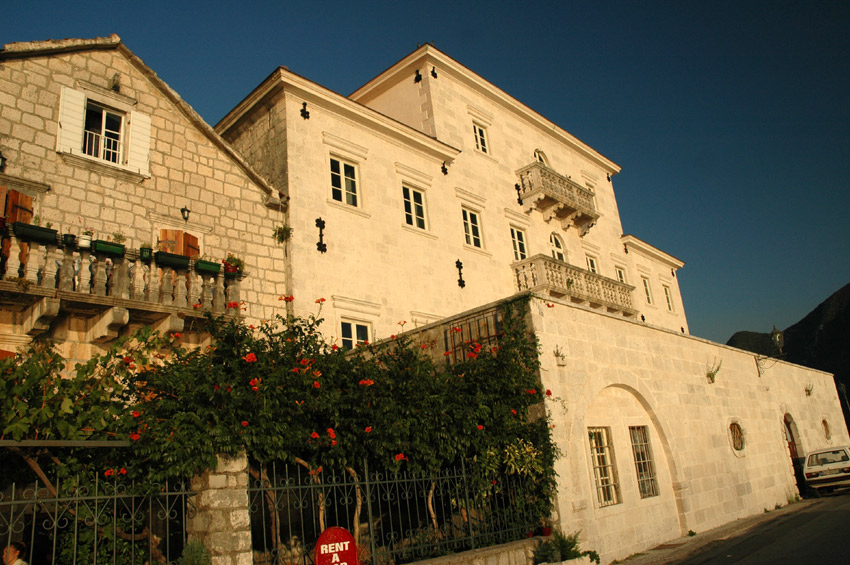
82,520
395,517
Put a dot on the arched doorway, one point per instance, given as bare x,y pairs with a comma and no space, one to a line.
791,436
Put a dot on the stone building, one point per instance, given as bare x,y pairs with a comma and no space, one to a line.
418,202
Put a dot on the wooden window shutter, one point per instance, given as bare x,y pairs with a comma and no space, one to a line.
18,208
173,240
139,142
190,245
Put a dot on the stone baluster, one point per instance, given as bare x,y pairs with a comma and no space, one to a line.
218,295
206,297
48,273
99,275
66,271
120,283
85,275
181,281
233,293
154,283
167,287
34,254
13,263
137,287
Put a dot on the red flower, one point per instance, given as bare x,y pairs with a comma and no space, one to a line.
317,384
424,346
471,355
314,435
254,382
367,382
319,300
232,305
198,305
368,429
549,305
135,436
305,361
401,457
447,353
176,335
548,392
250,358
317,373
136,413
392,336
123,471
128,360
513,412
296,370
456,330
289,298
333,442
331,433
531,391
108,473
216,387
244,423
334,347
255,388
229,388
480,427
495,481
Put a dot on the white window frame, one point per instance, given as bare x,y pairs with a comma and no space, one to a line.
482,143
471,224
647,290
355,335
668,296
604,466
415,214
592,265
621,274
518,239
557,247
644,464
346,196
104,144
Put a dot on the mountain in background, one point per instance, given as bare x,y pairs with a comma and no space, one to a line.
821,340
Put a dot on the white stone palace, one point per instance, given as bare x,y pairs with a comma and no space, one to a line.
417,202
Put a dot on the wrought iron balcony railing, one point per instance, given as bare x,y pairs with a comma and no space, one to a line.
557,197
541,273
40,281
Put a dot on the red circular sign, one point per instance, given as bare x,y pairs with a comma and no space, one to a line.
336,547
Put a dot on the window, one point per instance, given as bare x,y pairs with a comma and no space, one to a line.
518,240
737,435
414,207
669,298
604,470
354,333
643,461
591,264
556,244
480,137
646,290
103,129
343,181
621,274
471,228
102,125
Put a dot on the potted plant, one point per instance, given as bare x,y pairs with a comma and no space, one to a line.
203,265
146,252
85,238
166,259
35,232
282,233
233,266
114,246
69,240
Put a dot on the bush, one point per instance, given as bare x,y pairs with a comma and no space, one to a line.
561,548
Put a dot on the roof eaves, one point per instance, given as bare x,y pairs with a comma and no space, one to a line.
650,250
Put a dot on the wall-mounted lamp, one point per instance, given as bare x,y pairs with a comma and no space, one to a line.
609,177
518,194
460,282
321,245
184,211
444,168
418,77
434,72
2,163
304,113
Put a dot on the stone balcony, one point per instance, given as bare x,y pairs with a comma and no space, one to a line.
49,281
544,275
557,197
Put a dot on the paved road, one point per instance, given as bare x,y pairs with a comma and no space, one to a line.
810,532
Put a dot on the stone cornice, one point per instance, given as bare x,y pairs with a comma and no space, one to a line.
634,244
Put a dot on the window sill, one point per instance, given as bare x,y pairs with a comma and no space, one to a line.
418,231
104,167
348,208
478,250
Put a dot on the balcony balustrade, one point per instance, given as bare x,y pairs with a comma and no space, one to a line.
40,281
557,197
544,274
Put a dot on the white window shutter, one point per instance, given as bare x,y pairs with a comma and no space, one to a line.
72,110
138,150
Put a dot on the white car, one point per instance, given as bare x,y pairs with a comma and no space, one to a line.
826,469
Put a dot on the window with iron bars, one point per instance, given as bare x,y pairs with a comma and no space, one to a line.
485,329
645,468
604,468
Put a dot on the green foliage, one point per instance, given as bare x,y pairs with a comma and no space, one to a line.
561,547
194,554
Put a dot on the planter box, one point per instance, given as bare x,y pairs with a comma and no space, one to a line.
209,267
145,254
165,259
29,232
108,248
69,240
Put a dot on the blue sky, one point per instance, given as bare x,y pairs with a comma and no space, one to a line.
731,120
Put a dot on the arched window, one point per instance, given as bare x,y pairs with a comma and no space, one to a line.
737,436
540,157
556,244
